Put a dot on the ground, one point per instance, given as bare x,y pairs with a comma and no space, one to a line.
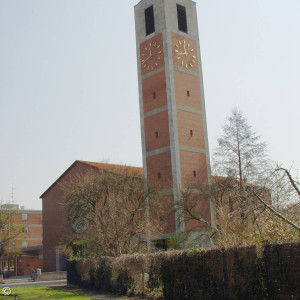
61,292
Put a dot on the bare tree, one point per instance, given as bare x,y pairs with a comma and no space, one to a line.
240,153
243,191
107,212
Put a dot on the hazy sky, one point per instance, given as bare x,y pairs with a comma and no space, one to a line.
68,83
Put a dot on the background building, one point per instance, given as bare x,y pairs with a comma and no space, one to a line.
28,244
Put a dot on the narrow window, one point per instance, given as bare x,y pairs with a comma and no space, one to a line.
5,265
154,95
25,229
188,93
149,20
181,16
191,132
24,217
195,174
158,175
156,134
11,265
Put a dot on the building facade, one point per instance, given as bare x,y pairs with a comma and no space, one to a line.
55,226
28,244
172,107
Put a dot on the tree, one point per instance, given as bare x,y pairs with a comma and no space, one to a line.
9,229
107,213
243,191
240,153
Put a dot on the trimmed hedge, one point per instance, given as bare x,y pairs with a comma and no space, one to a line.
266,272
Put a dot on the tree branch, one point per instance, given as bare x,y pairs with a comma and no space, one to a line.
273,210
292,181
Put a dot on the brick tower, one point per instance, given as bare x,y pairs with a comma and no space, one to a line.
172,109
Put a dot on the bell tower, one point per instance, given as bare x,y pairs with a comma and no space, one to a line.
172,108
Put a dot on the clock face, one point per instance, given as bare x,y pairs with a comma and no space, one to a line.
151,56
80,225
185,55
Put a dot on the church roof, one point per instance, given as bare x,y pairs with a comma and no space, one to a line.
100,166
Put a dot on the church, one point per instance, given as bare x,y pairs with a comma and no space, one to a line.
172,117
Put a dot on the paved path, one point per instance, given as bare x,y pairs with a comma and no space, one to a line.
41,283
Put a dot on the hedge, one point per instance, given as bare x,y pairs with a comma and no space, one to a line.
265,272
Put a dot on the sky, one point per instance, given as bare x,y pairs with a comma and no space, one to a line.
68,83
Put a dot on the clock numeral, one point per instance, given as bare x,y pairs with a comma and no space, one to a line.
192,50
194,56
154,44
156,64
158,46
194,62
176,46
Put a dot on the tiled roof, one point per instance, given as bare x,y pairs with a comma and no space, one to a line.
103,166
111,167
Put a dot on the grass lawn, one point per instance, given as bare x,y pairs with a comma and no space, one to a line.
42,292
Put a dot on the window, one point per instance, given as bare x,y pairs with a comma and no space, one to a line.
156,135
11,265
5,265
158,175
0,265
191,132
24,217
149,20
188,93
154,95
25,229
195,174
181,16
25,244
162,219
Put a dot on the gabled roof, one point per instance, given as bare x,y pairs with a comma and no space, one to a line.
99,166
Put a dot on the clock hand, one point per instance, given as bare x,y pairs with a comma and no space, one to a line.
143,61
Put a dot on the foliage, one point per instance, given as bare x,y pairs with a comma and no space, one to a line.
108,212
10,230
267,272
244,194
